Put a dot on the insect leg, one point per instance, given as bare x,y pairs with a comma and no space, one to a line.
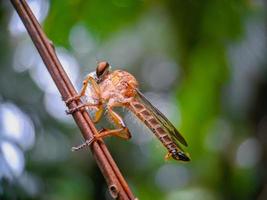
103,133
168,156
84,106
98,114
85,85
96,91
86,143
121,131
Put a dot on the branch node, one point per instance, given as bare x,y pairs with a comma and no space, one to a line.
114,192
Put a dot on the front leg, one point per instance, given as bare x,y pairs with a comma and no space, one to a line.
84,106
98,113
96,91
95,88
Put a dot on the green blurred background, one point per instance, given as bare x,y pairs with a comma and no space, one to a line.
202,63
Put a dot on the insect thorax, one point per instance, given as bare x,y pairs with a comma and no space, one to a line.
119,84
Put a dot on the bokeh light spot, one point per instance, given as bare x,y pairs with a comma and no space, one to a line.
248,153
159,73
192,194
14,157
171,176
17,126
39,8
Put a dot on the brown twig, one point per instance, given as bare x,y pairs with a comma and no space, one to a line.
117,185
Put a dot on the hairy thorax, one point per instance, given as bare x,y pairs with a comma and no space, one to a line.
118,86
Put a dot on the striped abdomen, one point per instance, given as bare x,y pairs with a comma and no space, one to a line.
153,124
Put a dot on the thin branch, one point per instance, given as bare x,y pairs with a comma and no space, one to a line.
117,185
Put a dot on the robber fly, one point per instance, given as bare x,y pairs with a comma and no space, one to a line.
105,89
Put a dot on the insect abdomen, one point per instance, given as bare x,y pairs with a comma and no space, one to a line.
145,115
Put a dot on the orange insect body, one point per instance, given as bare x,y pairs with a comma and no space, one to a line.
118,86
120,89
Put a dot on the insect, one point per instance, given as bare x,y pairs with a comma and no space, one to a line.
105,89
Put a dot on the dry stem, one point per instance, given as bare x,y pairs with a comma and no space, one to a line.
117,185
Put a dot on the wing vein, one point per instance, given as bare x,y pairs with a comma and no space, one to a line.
167,125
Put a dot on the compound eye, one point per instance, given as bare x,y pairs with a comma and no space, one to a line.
101,68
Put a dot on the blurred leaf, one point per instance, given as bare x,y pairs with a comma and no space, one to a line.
102,18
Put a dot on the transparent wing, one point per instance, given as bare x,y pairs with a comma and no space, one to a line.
171,130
